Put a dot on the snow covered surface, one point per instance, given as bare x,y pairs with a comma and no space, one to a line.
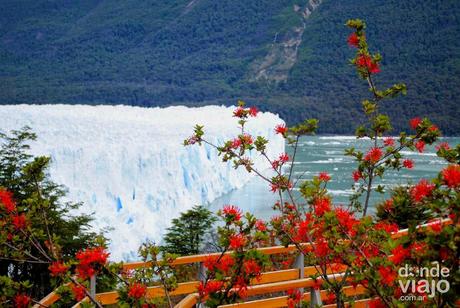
128,164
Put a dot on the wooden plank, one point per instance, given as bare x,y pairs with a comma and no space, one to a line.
188,302
281,301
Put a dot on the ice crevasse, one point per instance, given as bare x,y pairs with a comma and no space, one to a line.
128,164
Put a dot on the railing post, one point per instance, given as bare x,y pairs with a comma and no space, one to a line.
202,278
315,298
92,286
300,264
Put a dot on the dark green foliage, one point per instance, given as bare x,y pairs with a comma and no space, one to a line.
50,217
402,210
158,53
187,234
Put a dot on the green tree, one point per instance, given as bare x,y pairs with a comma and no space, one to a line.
52,232
187,233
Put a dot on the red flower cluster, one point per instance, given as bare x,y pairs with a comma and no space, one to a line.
389,142
435,226
408,163
252,268
19,221
451,176
373,155
420,146
321,206
387,274
21,301
443,146
421,190
346,219
365,61
6,198
294,297
324,176
415,122
260,226
357,175
237,241
387,227
232,212
90,261
399,254
57,269
223,264
281,129
353,40
241,112
137,291
79,292
210,287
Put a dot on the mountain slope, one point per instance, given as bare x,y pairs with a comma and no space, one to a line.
287,56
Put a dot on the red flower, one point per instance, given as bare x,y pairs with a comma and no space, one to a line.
443,146
225,263
444,253
415,122
79,292
399,254
19,221
137,291
387,227
418,249
237,241
353,40
253,111
321,248
21,301
357,175
435,226
57,269
388,205
251,267
322,205
389,142
283,158
408,163
260,225
373,155
420,146
365,61
387,275
90,261
294,297
433,128
6,198
324,176
236,143
451,175
232,212
421,190
211,286
346,219
376,303
281,129
239,112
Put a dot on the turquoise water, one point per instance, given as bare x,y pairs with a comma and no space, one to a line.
326,153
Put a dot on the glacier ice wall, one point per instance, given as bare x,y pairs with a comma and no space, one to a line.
128,164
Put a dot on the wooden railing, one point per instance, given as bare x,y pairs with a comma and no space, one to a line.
270,282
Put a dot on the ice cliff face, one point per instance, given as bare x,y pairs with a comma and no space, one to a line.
128,164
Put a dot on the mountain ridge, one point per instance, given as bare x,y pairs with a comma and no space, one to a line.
161,53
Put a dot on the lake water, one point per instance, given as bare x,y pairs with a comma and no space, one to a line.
326,153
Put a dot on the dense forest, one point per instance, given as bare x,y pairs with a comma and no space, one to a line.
286,56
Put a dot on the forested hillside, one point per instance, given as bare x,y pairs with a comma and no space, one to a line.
287,56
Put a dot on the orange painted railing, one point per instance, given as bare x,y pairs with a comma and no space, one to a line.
275,281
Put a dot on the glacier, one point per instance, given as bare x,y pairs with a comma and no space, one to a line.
128,165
